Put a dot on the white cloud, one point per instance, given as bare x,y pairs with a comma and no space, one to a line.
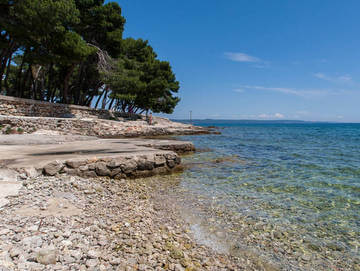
336,79
271,116
241,57
345,78
320,75
297,92
239,90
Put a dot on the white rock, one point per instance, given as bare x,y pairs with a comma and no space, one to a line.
92,263
4,232
93,254
46,256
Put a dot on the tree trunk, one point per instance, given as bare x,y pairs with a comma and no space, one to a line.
98,100
66,84
111,103
6,85
35,70
23,87
5,55
105,98
17,89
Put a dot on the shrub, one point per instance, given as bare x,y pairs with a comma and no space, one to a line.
8,130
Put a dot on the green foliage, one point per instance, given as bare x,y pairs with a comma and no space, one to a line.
140,81
72,51
8,130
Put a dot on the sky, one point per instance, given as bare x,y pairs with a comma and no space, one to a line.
256,59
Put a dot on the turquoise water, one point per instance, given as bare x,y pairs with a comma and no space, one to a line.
288,192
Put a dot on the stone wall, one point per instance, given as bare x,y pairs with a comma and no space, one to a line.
11,124
93,127
12,106
117,167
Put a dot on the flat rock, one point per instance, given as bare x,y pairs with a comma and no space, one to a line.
46,256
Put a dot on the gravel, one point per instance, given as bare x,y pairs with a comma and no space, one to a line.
71,223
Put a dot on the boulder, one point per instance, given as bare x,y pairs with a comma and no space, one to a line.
53,168
101,169
128,166
46,256
75,163
159,160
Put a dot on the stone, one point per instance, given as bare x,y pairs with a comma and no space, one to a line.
88,174
53,168
83,168
102,169
145,164
91,166
171,163
68,259
128,166
32,241
70,171
75,163
32,172
93,254
14,252
115,172
116,162
91,263
46,256
159,160
119,176
77,254
4,232
66,243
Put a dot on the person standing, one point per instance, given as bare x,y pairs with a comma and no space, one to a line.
150,119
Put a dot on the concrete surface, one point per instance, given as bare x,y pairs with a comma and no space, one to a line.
9,185
32,152
22,156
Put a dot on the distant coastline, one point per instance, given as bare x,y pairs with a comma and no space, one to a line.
249,121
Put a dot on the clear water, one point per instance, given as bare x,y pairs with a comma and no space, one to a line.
290,193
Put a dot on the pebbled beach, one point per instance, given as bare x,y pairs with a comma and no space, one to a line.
73,223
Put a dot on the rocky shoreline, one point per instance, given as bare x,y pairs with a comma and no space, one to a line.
103,128
73,223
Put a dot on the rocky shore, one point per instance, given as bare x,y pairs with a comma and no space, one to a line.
73,223
104,128
66,209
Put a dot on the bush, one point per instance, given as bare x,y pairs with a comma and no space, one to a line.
20,130
8,130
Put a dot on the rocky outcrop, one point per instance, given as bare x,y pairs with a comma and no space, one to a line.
95,127
117,167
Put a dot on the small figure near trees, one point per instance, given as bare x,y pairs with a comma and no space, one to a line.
149,119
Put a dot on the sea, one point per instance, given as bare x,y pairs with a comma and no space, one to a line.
285,194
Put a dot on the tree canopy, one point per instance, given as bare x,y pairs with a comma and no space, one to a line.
73,51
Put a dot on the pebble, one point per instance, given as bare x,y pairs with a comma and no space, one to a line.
118,228
46,256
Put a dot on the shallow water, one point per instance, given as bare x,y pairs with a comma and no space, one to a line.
288,193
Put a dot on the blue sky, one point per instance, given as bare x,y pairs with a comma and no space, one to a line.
256,59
